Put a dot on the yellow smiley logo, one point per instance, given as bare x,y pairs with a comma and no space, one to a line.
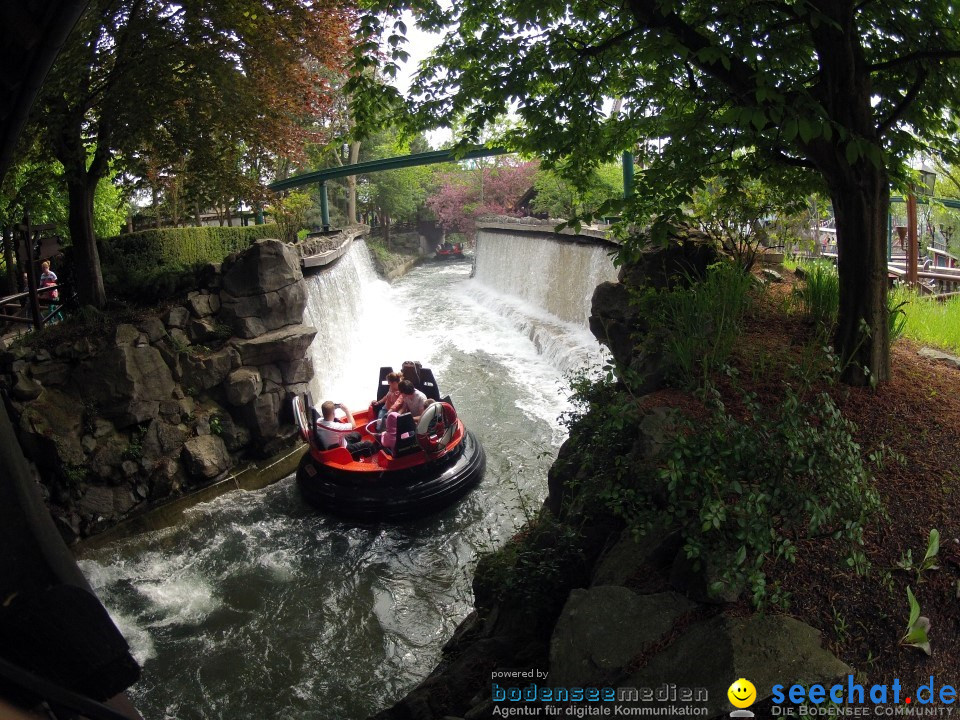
742,693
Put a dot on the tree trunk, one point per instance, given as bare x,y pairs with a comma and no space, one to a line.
860,204
9,261
86,267
199,219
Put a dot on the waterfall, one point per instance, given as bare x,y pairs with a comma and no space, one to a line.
544,287
342,304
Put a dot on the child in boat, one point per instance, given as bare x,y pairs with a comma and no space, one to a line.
411,400
382,406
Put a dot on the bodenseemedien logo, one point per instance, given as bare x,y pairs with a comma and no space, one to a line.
742,694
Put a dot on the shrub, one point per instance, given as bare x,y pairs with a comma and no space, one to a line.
153,264
695,327
743,491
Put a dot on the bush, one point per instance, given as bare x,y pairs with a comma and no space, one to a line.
695,327
153,264
742,491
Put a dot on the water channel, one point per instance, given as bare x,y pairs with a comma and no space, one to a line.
257,606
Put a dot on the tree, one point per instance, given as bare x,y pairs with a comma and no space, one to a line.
485,188
840,92
209,74
559,198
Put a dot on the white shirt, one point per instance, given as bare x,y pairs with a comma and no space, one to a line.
414,403
325,431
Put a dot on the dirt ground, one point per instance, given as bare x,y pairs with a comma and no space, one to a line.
916,414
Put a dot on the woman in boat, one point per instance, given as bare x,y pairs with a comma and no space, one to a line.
382,406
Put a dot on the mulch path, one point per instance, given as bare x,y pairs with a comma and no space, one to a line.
917,415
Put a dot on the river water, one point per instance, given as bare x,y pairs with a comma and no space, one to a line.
257,606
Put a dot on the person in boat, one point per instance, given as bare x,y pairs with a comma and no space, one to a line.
332,433
382,406
411,400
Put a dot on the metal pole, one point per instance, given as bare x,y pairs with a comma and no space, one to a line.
627,173
324,207
889,236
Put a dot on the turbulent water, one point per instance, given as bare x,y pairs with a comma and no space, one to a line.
257,606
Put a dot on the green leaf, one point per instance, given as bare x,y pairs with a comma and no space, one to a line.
790,129
852,151
759,119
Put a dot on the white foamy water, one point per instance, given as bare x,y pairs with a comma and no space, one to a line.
258,606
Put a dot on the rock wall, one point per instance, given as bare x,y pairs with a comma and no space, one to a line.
154,408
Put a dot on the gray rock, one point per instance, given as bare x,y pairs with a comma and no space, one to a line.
88,443
50,429
50,373
940,356
102,428
630,557
235,436
42,356
243,385
253,315
205,456
125,335
203,373
765,649
262,415
129,468
771,276
202,330
163,439
97,502
179,337
297,371
153,328
123,500
172,359
187,407
203,304
26,389
589,645
278,346
177,317
126,383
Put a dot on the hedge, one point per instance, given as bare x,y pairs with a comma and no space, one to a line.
152,264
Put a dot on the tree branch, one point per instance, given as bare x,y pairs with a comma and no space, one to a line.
942,54
595,50
904,103
785,159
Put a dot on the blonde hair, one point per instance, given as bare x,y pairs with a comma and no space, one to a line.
45,265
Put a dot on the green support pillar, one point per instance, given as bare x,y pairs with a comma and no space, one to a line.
258,218
627,173
324,208
889,236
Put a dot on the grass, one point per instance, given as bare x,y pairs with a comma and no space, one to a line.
929,321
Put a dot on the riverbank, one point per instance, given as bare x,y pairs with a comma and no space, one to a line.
556,599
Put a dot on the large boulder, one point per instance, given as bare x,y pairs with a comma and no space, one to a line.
126,383
280,346
203,373
50,430
205,456
242,385
262,415
589,646
766,649
263,289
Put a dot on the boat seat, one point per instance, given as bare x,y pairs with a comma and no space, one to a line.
428,384
406,436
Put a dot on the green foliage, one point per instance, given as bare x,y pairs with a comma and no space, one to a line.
927,320
738,214
216,425
744,488
819,297
929,561
696,327
134,450
290,213
917,626
534,570
153,264
559,198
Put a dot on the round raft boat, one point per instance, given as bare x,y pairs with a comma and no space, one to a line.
414,469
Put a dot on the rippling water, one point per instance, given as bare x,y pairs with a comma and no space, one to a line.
257,606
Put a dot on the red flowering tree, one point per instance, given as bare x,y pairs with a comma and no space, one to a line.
464,194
